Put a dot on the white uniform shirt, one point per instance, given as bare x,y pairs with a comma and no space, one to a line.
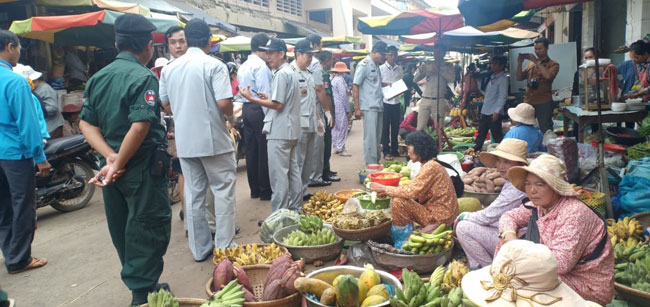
192,84
391,74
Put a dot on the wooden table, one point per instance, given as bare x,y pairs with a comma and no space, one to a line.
583,118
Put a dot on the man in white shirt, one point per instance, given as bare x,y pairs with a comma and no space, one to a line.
391,73
197,88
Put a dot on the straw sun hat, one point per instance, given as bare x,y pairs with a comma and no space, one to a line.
510,149
522,274
547,167
523,113
340,67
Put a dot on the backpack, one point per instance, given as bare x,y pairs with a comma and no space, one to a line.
459,185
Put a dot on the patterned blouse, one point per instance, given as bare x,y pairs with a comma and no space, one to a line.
572,231
509,198
433,189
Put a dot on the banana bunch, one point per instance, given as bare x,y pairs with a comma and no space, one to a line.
437,276
162,298
457,112
415,292
249,254
310,223
423,243
627,231
320,237
323,205
630,253
232,295
454,274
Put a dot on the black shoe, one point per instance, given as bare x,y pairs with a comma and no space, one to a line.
332,178
259,223
181,215
307,197
265,197
255,195
333,173
237,229
320,184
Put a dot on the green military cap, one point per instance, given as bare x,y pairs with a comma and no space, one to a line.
133,25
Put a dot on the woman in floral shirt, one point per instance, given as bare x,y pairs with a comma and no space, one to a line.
430,198
478,232
575,234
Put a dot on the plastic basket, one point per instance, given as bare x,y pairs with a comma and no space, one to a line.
593,199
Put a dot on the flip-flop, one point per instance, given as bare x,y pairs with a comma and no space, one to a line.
388,158
345,154
36,263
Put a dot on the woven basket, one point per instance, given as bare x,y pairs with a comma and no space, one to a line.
186,302
370,233
593,199
644,219
629,294
257,276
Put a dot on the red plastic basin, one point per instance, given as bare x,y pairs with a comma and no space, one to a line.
386,181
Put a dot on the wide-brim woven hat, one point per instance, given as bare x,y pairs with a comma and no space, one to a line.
547,167
522,274
510,149
523,113
340,67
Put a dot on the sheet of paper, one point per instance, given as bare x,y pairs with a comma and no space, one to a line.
394,89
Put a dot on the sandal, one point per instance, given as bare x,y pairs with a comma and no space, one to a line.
35,264
388,158
345,154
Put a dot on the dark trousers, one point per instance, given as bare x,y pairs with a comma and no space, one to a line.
404,133
327,151
257,161
486,123
390,130
544,115
17,211
138,214
408,96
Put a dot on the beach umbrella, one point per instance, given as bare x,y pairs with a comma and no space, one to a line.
89,29
413,22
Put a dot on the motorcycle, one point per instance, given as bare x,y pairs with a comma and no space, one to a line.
66,188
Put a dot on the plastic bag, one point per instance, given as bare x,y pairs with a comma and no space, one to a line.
276,221
400,234
566,149
360,255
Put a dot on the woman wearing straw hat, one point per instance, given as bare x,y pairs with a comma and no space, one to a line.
341,107
478,232
523,274
575,234
523,119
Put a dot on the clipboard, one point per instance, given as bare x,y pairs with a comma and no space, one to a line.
394,89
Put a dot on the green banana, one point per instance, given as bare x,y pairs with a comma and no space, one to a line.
467,303
439,229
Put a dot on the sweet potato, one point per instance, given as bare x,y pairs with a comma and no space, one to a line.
499,182
477,171
469,188
489,186
493,175
467,180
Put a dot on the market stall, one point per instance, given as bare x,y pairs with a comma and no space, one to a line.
583,118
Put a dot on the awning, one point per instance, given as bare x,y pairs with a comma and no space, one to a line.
160,6
89,29
235,44
119,6
412,22
484,12
194,12
470,36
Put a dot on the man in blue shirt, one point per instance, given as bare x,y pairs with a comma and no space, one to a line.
20,146
523,117
495,98
256,74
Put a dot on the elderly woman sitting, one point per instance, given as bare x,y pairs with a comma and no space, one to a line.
575,234
429,199
478,232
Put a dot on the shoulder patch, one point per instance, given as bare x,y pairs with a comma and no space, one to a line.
364,62
150,97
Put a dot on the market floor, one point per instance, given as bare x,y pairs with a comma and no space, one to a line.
84,269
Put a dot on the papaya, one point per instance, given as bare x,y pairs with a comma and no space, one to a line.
373,300
311,285
370,278
336,280
363,291
380,290
347,292
329,297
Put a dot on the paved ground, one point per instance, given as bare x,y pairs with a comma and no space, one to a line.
83,267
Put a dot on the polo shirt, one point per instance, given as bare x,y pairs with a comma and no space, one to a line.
542,94
391,74
192,84
256,74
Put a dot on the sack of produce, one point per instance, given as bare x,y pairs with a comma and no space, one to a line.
566,149
276,221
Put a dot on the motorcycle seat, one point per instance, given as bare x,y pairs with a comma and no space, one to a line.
65,144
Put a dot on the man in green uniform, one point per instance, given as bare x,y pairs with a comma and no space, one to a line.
121,120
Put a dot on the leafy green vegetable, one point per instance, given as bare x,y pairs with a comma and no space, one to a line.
645,126
639,151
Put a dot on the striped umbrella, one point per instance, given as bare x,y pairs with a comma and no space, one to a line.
89,29
413,22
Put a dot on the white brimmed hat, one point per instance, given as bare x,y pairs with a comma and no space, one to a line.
547,167
522,274
27,72
523,113
510,149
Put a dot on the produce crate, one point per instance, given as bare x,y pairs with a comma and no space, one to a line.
257,276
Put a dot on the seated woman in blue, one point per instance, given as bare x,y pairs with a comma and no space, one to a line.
523,119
